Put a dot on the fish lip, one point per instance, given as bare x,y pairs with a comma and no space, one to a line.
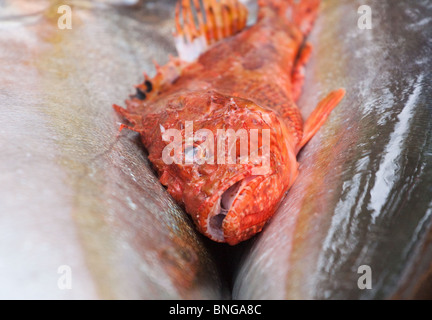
217,213
212,231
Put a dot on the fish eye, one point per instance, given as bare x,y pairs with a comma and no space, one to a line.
191,152
196,153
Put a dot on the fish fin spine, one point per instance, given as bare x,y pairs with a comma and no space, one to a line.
165,76
202,23
149,89
319,115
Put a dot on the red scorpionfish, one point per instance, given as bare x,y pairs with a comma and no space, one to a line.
230,78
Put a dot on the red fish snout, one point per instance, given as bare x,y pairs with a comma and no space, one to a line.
248,205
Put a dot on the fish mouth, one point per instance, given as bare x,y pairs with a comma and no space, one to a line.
225,203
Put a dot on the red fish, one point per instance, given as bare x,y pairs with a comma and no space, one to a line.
230,76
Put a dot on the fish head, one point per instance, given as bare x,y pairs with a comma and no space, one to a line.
235,161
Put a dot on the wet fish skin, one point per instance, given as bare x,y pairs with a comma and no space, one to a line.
75,197
363,192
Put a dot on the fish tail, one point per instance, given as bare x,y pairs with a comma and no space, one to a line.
301,13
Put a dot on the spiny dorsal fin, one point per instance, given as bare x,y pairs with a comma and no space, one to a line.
200,23
151,88
165,76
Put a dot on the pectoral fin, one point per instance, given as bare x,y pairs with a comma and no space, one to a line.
320,114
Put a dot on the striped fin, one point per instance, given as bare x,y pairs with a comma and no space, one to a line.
200,23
